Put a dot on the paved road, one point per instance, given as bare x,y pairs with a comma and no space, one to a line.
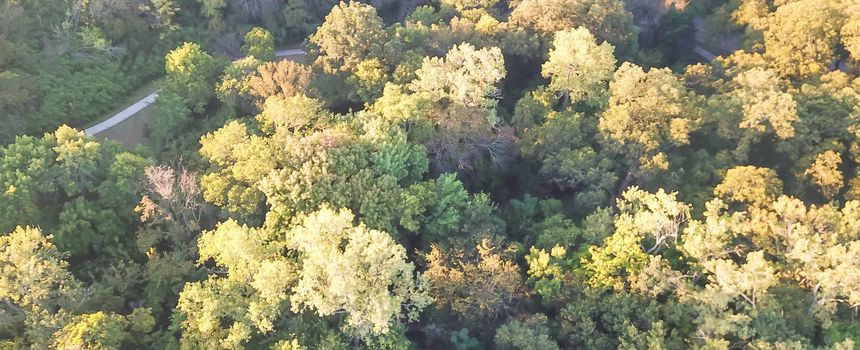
149,99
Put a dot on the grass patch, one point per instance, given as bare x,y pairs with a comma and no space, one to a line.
132,131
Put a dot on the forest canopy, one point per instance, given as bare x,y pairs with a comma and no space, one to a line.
439,174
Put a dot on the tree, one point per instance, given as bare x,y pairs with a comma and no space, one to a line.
190,73
355,270
646,223
171,117
749,184
531,333
37,289
825,173
260,44
438,205
81,190
352,32
461,90
766,109
479,285
608,20
172,213
749,281
645,116
284,78
227,310
569,158
466,76
818,22
104,331
578,67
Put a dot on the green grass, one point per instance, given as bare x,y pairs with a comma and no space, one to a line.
131,132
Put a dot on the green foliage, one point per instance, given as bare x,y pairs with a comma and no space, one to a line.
436,206
530,334
260,44
348,202
190,73
67,183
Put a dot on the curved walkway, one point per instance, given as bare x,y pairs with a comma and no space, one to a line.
149,99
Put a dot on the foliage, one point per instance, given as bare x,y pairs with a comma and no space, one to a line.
260,44
462,174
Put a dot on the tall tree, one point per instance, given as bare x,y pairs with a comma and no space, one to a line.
352,32
646,117
578,67
190,74
817,23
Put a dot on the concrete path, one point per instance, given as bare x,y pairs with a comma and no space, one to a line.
704,53
292,52
149,99
123,115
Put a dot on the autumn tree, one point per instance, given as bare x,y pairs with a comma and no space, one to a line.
749,184
479,285
285,78
825,173
812,20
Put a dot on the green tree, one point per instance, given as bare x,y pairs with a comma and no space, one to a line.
260,44
81,190
646,224
171,117
532,333
190,74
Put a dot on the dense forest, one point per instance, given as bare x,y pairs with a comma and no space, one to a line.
437,174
